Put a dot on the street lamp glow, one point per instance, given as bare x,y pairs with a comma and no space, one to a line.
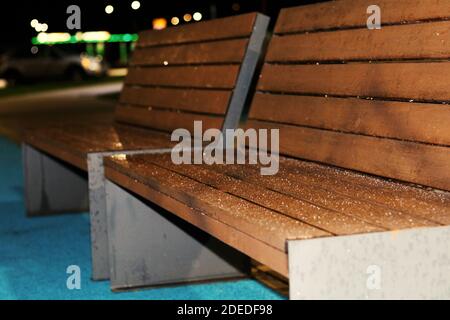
98,36
109,9
34,23
159,23
44,27
135,5
187,17
174,21
197,16
38,27
53,37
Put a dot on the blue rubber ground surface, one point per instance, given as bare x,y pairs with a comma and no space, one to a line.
34,253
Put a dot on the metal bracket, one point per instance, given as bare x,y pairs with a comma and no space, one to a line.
97,209
150,246
247,71
52,186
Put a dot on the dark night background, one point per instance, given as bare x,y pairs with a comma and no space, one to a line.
15,16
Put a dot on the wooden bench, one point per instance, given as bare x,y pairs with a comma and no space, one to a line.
360,207
200,71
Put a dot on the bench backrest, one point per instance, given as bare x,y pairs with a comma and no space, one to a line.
200,71
375,101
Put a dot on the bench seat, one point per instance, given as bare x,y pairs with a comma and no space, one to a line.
258,214
360,207
73,142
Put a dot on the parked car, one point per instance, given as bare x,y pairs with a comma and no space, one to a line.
45,62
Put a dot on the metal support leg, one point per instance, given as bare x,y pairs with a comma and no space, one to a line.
52,186
409,264
149,246
97,208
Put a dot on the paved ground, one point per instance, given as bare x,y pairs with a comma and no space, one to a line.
35,253
18,112
81,98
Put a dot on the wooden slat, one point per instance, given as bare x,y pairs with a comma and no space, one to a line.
215,77
263,224
329,220
422,81
299,187
208,101
116,137
418,41
353,13
270,278
59,150
165,120
225,28
429,204
73,142
228,51
423,122
79,139
57,135
408,161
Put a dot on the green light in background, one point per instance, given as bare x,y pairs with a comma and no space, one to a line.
66,38
127,37
123,53
90,49
100,48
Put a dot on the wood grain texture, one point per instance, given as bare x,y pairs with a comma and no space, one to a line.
59,150
315,194
335,222
224,28
424,122
263,224
353,13
73,143
408,161
185,73
165,120
207,101
227,51
301,187
420,81
429,204
416,41
213,77
274,258
384,118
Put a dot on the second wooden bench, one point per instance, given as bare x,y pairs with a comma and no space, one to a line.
200,71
